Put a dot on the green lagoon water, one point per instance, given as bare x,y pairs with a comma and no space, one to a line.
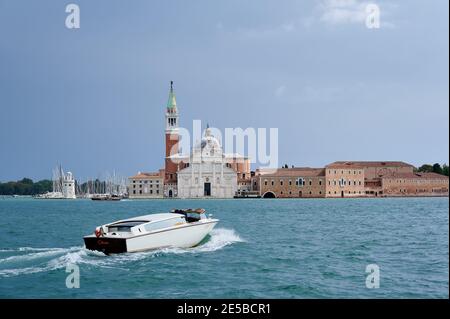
307,248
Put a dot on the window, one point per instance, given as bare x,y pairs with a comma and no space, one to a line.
134,192
157,191
273,182
140,192
151,191
281,182
310,182
124,226
320,182
301,182
290,182
265,182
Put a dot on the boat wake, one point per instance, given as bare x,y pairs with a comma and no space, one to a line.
29,260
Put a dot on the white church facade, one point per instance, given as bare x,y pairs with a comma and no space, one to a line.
206,172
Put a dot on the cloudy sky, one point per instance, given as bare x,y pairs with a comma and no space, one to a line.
93,98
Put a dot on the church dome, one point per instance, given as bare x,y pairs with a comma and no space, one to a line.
209,145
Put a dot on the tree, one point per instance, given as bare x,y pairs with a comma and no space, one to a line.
25,187
445,169
425,168
27,181
437,168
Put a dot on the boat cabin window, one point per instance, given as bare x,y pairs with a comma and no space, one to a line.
193,217
125,226
164,223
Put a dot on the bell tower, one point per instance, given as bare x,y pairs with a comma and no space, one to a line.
172,139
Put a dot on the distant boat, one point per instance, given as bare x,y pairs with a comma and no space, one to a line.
107,197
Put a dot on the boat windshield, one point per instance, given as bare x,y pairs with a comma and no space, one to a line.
192,217
125,226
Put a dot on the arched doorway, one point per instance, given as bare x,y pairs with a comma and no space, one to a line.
269,195
170,193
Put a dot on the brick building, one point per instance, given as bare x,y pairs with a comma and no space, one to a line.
146,185
290,182
414,184
349,179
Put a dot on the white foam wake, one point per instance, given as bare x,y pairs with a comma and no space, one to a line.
34,260
220,237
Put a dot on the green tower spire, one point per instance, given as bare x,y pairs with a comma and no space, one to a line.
172,102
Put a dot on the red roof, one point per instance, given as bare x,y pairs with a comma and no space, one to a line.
293,172
416,176
141,175
363,164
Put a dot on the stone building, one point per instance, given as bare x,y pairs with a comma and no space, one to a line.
344,180
146,185
207,172
350,179
414,184
290,182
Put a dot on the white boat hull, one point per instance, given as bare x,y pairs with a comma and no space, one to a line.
183,236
